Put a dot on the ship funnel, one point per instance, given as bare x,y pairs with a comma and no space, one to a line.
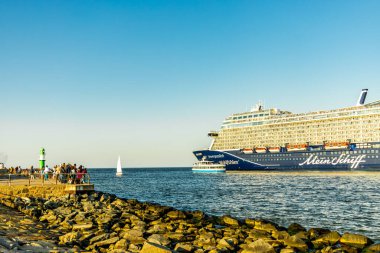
362,97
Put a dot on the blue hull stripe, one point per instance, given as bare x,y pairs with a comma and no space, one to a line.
360,159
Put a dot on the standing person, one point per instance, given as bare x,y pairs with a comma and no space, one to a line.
67,173
32,172
46,173
73,174
54,170
58,173
79,175
85,176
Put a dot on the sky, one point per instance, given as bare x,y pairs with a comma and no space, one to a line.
147,80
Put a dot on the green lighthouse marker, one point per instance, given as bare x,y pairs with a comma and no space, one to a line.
42,158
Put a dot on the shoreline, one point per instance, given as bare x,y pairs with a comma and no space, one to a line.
102,222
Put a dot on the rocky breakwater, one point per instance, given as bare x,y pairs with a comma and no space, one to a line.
101,222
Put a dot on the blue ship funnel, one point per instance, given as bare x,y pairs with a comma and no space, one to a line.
362,97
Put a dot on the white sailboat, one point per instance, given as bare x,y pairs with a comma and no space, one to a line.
119,171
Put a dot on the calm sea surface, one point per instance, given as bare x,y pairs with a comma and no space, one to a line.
347,201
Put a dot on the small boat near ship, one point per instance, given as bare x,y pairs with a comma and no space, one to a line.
119,171
209,167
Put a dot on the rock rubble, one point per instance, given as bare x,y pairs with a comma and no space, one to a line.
101,222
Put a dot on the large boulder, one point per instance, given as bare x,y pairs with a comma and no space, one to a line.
51,204
258,234
314,233
69,238
100,237
227,242
150,247
158,239
355,240
288,250
175,236
229,221
184,247
250,222
174,215
295,242
197,215
265,226
121,244
134,236
375,248
259,246
107,242
280,235
84,226
328,239
205,239
159,228
295,228
50,217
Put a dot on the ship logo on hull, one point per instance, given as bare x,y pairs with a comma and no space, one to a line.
342,159
216,156
229,162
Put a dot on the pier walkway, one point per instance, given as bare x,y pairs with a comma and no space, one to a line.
67,183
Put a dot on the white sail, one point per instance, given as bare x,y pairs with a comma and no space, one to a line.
119,171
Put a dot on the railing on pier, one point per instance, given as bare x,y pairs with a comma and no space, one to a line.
45,179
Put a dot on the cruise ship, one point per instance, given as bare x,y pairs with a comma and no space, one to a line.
273,139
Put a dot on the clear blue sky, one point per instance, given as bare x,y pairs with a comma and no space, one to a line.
89,80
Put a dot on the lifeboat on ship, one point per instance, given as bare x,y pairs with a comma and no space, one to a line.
297,147
247,151
336,145
261,150
274,149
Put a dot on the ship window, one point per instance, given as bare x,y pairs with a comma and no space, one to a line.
376,151
372,151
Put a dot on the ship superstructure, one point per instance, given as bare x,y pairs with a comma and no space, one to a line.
263,136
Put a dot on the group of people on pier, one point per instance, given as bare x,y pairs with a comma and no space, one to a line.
63,173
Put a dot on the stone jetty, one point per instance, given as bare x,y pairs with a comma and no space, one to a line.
102,222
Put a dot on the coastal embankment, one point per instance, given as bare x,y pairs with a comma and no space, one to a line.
102,222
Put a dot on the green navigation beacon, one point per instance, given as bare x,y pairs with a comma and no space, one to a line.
42,158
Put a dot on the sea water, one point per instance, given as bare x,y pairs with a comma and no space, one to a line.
346,201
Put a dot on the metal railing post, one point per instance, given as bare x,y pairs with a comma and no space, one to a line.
9,179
